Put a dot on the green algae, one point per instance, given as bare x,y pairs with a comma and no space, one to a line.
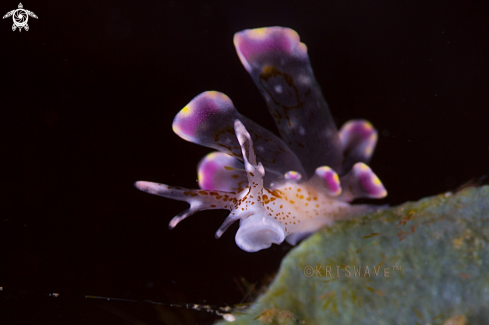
418,263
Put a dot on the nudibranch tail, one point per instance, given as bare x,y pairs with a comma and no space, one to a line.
279,65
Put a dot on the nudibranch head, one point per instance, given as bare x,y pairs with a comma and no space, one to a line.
279,188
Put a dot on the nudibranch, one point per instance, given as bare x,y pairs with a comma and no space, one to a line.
279,188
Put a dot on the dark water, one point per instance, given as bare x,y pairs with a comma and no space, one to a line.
88,96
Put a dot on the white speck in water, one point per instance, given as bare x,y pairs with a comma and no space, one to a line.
229,317
278,88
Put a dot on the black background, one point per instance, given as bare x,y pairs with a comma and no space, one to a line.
88,96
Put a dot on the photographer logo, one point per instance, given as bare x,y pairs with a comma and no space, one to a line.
20,17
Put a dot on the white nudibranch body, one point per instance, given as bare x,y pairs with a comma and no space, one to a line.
288,210
293,185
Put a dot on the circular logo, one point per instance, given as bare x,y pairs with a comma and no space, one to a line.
20,17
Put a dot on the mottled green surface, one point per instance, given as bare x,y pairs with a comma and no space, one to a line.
435,253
